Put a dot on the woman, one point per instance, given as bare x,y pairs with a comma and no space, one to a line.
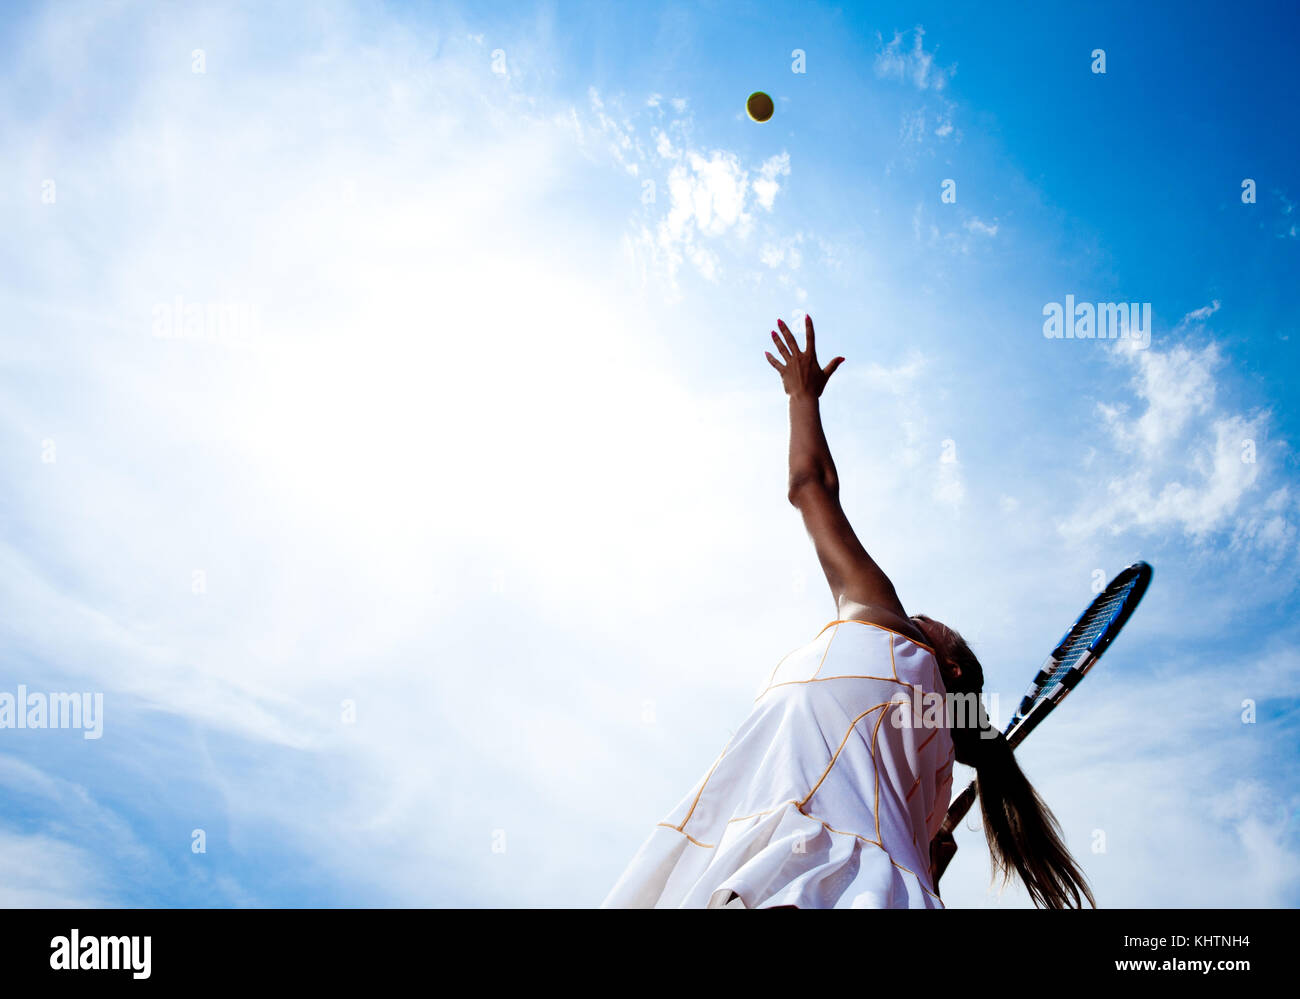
832,792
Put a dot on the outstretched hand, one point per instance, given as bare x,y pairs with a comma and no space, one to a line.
800,374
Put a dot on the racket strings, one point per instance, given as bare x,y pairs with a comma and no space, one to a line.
1086,633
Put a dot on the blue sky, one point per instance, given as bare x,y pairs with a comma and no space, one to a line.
441,572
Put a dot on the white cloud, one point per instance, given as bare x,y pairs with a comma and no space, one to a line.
1175,385
622,144
708,196
949,485
350,514
711,197
783,252
970,235
906,404
914,64
913,128
1184,462
40,871
916,123
766,186
1201,314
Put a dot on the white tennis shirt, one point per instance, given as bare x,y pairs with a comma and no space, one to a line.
826,797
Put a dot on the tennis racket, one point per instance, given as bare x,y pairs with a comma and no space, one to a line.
1075,654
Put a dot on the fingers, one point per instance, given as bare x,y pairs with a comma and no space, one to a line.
785,351
808,330
794,344
830,368
773,361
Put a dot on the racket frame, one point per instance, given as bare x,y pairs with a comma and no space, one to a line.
1022,723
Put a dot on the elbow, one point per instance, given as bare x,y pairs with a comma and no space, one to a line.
800,484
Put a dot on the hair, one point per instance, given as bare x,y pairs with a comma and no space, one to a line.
1022,833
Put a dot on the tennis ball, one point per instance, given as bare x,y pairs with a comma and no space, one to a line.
759,106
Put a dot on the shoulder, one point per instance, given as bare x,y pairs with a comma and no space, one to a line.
852,610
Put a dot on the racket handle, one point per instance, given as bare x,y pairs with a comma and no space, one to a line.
944,847
958,809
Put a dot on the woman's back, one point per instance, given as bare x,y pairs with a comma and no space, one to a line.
826,797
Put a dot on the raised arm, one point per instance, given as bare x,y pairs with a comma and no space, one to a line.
858,585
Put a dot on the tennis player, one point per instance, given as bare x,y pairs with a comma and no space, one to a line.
832,791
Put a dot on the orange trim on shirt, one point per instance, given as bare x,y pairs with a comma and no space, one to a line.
872,624
875,766
666,825
778,666
682,828
766,811
843,743
844,676
874,842
826,651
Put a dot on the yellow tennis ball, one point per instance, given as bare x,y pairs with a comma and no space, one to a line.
759,106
